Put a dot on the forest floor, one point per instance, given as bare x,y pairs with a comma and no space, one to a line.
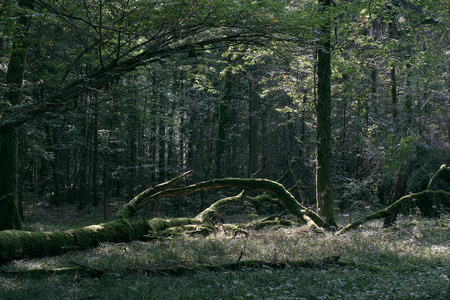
408,261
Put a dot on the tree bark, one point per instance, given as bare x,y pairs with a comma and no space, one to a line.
9,207
399,189
224,106
324,186
253,130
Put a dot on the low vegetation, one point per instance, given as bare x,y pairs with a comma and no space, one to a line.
410,260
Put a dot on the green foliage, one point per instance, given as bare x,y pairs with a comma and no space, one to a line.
361,192
397,152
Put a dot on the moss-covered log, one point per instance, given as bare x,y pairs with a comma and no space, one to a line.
16,244
206,215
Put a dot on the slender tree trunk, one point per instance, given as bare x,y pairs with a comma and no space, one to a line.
324,187
394,93
132,149
303,128
51,141
95,156
253,131
224,117
408,99
9,207
153,127
84,187
162,145
374,87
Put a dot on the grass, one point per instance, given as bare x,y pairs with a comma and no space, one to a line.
409,261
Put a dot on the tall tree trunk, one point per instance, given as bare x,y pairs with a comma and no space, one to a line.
162,145
408,99
132,149
95,156
394,93
253,131
324,187
225,99
9,207
51,142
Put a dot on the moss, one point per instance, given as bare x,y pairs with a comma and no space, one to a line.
259,224
206,215
115,231
15,244
191,229
158,224
125,212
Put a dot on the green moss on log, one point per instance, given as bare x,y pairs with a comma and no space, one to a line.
259,224
15,244
157,224
206,215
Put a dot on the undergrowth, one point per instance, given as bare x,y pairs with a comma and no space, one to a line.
408,261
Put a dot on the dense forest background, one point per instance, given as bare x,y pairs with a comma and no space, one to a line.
118,96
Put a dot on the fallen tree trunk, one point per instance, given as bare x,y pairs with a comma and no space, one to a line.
15,244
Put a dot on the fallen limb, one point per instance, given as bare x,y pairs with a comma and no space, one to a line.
207,214
386,212
393,207
139,201
441,170
263,185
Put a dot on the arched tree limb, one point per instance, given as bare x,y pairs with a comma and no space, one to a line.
139,201
261,185
441,170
